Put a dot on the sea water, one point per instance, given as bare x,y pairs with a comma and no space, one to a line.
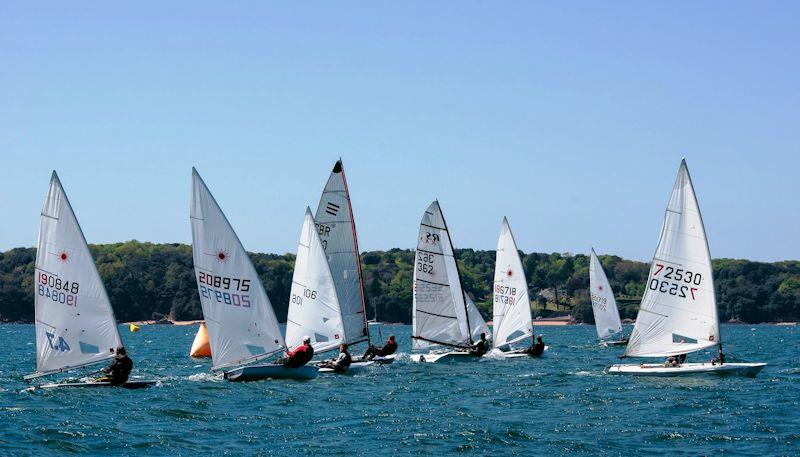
559,404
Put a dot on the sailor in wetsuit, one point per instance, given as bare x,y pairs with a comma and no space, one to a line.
300,356
537,349
480,348
119,370
388,348
341,363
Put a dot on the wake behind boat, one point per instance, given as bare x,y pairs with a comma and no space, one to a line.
241,324
678,313
75,324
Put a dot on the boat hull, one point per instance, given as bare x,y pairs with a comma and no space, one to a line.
381,360
354,367
271,371
614,343
654,369
440,357
519,354
127,385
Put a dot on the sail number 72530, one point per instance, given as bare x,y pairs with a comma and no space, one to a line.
675,281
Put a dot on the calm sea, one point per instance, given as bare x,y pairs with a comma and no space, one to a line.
560,404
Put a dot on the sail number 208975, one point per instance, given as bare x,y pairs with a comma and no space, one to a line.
675,281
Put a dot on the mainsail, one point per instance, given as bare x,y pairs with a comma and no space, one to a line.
606,315
678,313
241,323
75,325
337,230
440,311
512,305
313,303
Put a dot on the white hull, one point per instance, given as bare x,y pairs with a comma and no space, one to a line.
449,356
614,343
127,385
518,354
655,369
381,360
271,371
355,366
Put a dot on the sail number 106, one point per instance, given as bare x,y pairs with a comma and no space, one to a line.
307,293
675,281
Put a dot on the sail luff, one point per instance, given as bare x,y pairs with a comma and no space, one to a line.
75,323
678,313
604,306
458,273
240,320
511,311
314,306
356,252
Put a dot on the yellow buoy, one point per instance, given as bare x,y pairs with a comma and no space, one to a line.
134,328
200,346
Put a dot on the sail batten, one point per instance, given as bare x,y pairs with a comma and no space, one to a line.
75,324
337,231
678,313
511,303
440,307
240,321
604,306
314,305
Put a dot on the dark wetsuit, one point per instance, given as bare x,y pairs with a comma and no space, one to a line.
536,350
341,363
119,370
479,348
299,357
388,349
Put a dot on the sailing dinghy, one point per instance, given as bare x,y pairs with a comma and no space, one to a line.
441,314
314,307
512,305
604,307
678,313
337,230
75,324
241,324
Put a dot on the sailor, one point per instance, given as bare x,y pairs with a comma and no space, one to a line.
480,348
117,373
681,358
537,349
389,347
300,356
341,363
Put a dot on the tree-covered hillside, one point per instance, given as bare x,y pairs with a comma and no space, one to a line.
151,281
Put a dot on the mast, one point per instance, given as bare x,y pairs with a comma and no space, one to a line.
355,245
458,271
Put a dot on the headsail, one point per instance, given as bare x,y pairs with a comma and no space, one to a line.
512,305
440,312
241,323
606,315
75,325
313,303
678,313
476,322
337,230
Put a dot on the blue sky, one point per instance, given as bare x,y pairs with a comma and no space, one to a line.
569,118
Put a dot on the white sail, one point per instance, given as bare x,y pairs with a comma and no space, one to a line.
606,315
439,309
313,303
337,230
476,322
75,325
241,323
512,305
678,313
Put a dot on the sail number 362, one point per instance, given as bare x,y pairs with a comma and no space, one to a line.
425,262
675,281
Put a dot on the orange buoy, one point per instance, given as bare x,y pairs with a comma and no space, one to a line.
200,346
